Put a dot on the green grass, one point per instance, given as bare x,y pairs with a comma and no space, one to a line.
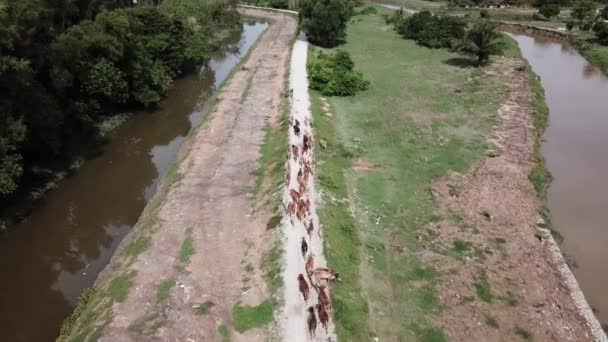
421,117
203,309
248,317
164,290
460,248
482,287
492,322
224,333
524,334
119,287
138,246
187,249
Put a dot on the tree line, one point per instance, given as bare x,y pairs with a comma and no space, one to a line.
67,65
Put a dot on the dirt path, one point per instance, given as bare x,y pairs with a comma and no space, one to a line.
210,209
506,280
301,223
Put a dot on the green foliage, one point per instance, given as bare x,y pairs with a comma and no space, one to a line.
604,13
138,246
601,32
432,30
119,287
583,10
482,287
549,10
523,333
164,290
187,248
484,13
333,75
324,21
281,4
248,317
368,10
66,66
481,41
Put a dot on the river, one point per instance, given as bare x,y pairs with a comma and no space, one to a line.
49,258
575,148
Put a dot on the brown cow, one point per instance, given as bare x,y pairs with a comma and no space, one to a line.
324,297
321,275
294,151
323,316
295,195
310,264
310,228
303,285
311,321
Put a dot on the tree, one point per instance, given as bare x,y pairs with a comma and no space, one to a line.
432,30
481,41
604,13
583,10
324,21
549,10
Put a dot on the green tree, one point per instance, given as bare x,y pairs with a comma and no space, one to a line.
583,10
601,32
432,30
604,13
324,21
482,40
549,10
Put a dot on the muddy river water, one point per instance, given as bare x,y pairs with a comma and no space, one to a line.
48,259
575,147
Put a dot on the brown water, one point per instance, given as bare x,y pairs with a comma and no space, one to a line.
47,260
576,152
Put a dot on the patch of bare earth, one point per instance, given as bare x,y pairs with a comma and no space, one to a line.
212,199
489,233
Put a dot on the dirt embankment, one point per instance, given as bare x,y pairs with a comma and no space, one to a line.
506,284
198,251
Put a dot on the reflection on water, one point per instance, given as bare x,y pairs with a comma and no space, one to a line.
49,258
575,152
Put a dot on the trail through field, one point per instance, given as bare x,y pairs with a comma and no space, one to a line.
302,320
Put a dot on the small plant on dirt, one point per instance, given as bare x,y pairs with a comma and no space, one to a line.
460,247
224,332
482,287
492,322
138,246
523,333
119,287
187,248
333,75
203,309
164,290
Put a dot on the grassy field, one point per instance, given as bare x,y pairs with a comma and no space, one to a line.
423,116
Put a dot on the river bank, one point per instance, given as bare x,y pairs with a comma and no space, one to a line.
199,236
62,246
437,218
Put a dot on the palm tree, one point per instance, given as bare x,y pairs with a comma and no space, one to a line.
481,41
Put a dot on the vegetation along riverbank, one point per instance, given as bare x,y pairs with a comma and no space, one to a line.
584,23
69,74
430,215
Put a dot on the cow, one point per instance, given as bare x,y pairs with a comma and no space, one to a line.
303,286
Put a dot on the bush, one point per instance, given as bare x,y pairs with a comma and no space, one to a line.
324,21
484,13
481,41
333,75
549,10
431,30
368,10
570,24
601,32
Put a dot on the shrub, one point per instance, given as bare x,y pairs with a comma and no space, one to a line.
604,13
368,10
431,30
570,24
333,75
601,32
324,21
484,13
583,10
481,41
549,10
